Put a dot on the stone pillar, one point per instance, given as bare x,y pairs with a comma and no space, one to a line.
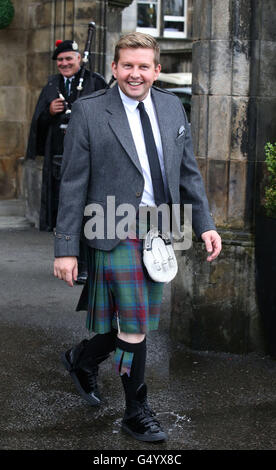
214,306
13,45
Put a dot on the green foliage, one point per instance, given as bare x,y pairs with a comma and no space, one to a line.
270,190
6,13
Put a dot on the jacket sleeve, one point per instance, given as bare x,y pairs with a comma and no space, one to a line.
192,189
39,127
75,173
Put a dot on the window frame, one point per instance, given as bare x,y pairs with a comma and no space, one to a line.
153,31
177,19
165,34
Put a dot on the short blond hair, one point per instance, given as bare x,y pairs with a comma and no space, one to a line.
135,41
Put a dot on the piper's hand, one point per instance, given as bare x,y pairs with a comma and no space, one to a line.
212,242
56,106
66,269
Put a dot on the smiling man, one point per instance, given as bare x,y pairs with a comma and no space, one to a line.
131,142
135,71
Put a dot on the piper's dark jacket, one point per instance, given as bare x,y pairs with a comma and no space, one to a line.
46,138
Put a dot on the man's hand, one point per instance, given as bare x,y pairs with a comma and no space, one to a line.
212,242
57,106
66,268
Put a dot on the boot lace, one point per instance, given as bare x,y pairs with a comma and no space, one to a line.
147,416
92,378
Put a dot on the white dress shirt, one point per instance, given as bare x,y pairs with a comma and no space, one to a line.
133,116
70,82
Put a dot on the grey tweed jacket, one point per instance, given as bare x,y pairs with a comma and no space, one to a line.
100,160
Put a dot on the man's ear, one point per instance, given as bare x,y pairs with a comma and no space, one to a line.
157,71
114,69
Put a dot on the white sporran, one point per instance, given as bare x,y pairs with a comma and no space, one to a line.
159,257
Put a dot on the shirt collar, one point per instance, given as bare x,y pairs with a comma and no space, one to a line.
70,78
132,104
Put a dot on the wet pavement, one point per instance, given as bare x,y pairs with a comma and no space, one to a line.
205,400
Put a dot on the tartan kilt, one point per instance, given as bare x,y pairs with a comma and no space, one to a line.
120,293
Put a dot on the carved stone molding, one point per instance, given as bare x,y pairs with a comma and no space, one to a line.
119,3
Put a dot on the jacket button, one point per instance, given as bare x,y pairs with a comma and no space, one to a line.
138,194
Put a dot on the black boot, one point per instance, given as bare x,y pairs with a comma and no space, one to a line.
82,362
139,420
85,379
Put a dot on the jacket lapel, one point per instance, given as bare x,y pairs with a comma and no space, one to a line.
163,112
119,124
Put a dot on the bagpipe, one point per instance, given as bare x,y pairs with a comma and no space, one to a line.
85,59
86,55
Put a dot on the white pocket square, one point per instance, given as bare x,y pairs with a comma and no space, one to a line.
181,131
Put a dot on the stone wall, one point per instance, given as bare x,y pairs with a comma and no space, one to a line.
213,304
26,47
221,69
13,75
214,307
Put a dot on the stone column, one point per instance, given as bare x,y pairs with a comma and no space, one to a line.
13,45
214,306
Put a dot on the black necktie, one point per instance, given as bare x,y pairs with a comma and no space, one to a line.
67,86
156,174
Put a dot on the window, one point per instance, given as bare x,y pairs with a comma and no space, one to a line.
174,18
148,16
173,23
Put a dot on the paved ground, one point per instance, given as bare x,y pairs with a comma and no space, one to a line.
205,400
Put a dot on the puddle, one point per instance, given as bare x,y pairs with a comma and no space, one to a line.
170,420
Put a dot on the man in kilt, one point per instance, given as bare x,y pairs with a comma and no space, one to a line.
129,144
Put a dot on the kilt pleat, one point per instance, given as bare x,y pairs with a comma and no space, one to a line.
121,295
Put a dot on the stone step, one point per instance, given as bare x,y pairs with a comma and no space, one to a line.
14,223
12,207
